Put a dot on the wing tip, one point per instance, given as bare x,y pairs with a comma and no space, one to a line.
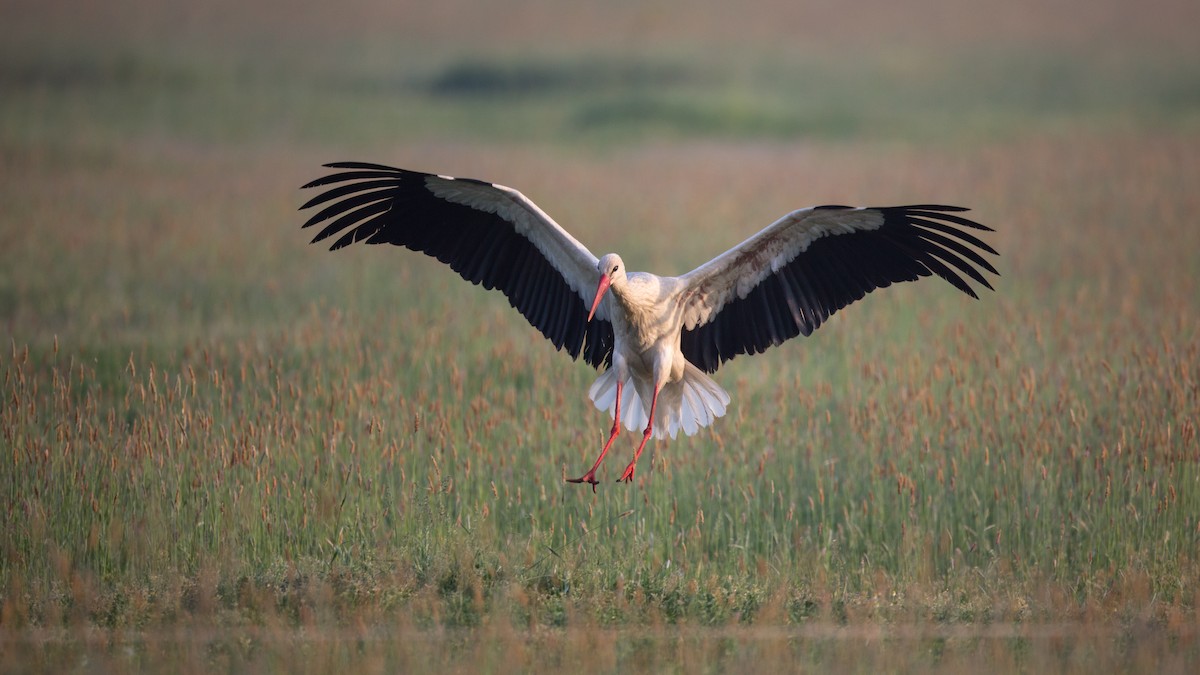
360,165
340,176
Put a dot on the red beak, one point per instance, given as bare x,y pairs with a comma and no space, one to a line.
600,290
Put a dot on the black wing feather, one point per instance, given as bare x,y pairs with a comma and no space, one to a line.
385,205
838,269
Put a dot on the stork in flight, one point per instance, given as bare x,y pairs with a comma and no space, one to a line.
658,336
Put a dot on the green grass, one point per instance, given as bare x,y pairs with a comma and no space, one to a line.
224,448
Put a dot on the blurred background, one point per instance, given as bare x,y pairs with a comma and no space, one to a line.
364,73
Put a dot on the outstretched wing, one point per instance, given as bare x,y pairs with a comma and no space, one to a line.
787,279
490,234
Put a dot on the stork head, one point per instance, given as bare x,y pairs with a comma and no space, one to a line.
611,269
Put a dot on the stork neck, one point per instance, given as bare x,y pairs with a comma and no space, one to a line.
636,292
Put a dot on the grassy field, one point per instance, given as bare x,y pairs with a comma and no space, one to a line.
226,449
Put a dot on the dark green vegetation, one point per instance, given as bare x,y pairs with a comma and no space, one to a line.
223,447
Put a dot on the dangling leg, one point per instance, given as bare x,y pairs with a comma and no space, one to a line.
590,476
628,475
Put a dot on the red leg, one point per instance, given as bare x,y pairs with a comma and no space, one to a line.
628,475
590,476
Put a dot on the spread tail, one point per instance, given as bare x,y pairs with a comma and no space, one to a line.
690,404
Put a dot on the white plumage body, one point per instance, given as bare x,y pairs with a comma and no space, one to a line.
646,331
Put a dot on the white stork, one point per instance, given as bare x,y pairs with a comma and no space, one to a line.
659,336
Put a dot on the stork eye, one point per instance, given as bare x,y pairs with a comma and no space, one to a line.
614,269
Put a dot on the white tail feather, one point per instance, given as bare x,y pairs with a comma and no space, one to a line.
690,404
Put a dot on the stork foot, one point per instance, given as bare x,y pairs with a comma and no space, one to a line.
627,477
589,477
